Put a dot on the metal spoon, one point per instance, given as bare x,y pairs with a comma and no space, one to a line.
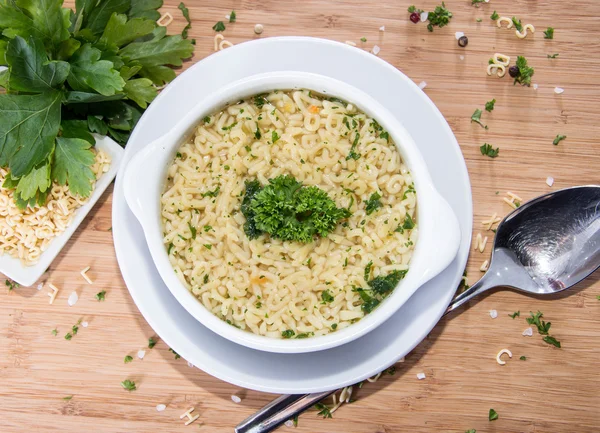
545,246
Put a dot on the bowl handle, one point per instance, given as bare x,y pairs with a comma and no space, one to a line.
142,179
446,233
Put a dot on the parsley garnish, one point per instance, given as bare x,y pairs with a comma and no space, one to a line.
295,420
260,101
439,17
289,211
274,137
205,279
128,359
208,228
208,246
476,117
171,246
549,33
352,154
488,150
68,397
408,224
409,189
551,340
207,119
334,326
373,203
212,193
288,333
232,17
383,285
474,2
489,105
326,296
525,72
54,332
11,285
536,319
193,230
369,302
412,9
228,128
495,16
493,415
558,139
517,24
151,343
471,431
368,270
68,336
129,385
257,134
553,56
515,314
523,358
219,26
324,411
186,14
177,355
100,296
363,39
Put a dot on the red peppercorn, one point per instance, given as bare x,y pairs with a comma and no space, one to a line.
513,71
415,17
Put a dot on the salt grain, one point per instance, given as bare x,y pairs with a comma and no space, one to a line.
382,29
462,57
422,85
528,332
85,324
289,423
459,35
549,181
558,90
160,407
535,86
227,17
421,376
235,399
424,16
376,49
40,286
141,354
493,314
190,364
73,298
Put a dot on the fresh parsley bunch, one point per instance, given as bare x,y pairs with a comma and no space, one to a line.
289,211
71,73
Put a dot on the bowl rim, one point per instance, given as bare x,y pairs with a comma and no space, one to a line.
427,197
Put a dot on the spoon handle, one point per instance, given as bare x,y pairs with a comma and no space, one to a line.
476,289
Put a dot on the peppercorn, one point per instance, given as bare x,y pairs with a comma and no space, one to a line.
415,17
463,41
513,71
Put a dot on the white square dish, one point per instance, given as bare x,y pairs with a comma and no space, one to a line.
28,275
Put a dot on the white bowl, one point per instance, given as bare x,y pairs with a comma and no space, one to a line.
439,232
28,275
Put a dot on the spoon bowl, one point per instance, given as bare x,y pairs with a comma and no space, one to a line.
545,246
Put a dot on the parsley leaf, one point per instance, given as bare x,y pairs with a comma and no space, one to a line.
326,296
488,150
274,137
517,24
536,319
553,56
494,16
471,431
288,333
489,105
119,31
383,285
373,203
352,154
408,224
232,17
525,72
219,26
129,385
551,340
476,117
54,332
128,359
368,270
493,415
193,230
177,356
558,139
91,74
212,193
72,161
141,91
515,314
523,358
100,296
151,343
440,17
68,397
324,411
186,14
549,33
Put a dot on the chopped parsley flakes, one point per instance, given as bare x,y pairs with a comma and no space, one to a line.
515,314
476,117
151,343
129,385
219,26
549,33
495,16
440,17
101,296
177,355
517,24
523,358
489,105
324,411
326,296
373,203
368,270
288,333
552,56
128,359
558,139
487,150
525,72
493,415
232,17
11,285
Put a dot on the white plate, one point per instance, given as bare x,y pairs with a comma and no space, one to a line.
28,275
328,369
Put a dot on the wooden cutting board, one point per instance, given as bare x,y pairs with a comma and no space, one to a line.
554,390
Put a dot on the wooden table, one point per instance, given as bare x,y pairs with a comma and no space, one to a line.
554,390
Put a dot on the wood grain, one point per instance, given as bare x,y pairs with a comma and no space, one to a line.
552,391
